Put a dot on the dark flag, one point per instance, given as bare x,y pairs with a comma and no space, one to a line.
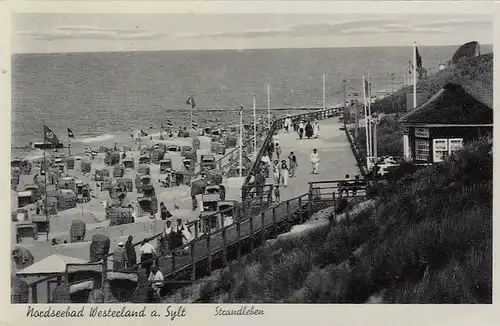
169,123
49,137
176,207
190,101
419,58
143,134
70,134
367,87
195,126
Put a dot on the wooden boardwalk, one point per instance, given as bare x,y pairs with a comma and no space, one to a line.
212,251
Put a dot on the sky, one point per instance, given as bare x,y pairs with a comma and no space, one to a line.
53,33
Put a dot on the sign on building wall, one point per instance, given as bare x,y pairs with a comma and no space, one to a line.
422,149
422,132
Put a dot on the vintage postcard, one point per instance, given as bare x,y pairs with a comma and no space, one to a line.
245,154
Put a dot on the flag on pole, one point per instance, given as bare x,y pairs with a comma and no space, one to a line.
169,123
195,126
70,134
190,101
49,137
143,133
368,86
176,207
418,63
419,58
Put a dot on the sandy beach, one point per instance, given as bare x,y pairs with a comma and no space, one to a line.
93,212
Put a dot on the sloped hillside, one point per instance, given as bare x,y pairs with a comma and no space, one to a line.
427,239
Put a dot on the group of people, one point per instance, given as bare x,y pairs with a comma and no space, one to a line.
304,129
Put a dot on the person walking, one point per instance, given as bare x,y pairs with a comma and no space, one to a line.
266,161
277,198
284,173
168,234
292,164
156,282
276,171
301,129
315,161
309,130
316,128
119,257
278,151
130,252
147,254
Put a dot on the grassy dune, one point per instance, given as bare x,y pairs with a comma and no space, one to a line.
474,75
427,239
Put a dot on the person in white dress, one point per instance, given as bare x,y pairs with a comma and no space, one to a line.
284,173
315,161
276,172
316,128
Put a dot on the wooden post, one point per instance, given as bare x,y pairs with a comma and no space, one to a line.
104,279
238,244
196,223
209,255
300,208
309,204
34,295
48,291
288,209
193,262
263,227
173,261
224,249
275,225
251,232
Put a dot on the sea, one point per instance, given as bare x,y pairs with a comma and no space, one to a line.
106,95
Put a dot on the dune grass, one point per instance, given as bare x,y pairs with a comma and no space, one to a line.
428,239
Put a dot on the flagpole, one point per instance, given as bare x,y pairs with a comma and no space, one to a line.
324,91
268,106
254,128
414,74
370,135
241,142
191,111
366,120
46,185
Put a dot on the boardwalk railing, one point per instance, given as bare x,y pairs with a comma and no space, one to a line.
277,125
213,249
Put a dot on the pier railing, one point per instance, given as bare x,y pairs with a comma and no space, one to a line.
277,125
250,227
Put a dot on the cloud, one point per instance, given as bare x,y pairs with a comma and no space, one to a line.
301,30
371,26
93,32
393,28
459,22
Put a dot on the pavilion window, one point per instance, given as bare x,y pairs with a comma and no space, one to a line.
445,147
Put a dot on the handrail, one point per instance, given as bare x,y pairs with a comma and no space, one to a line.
230,153
274,127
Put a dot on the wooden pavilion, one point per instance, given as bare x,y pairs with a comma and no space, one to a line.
443,124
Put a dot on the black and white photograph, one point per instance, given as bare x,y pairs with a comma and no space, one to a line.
251,158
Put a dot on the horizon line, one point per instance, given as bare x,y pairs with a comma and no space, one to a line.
246,49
